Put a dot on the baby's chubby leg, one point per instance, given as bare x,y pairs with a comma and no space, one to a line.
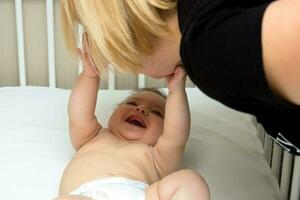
72,197
181,185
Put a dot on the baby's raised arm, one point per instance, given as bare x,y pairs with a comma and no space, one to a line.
170,147
83,123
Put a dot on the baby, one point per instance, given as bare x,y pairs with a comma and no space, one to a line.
138,155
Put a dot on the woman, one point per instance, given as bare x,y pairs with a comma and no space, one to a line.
245,54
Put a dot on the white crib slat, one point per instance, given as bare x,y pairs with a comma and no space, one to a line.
268,147
276,160
295,190
141,81
20,41
286,172
111,77
51,50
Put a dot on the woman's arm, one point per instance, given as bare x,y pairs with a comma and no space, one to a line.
281,48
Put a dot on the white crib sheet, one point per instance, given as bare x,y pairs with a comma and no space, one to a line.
34,145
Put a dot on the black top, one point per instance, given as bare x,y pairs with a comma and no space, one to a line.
222,54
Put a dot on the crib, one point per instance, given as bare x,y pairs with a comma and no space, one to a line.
229,148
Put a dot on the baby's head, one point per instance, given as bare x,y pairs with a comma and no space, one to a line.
140,117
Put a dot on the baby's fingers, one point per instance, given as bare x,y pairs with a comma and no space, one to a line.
85,43
78,52
88,63
179,73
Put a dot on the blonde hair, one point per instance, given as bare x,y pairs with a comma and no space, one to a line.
119,31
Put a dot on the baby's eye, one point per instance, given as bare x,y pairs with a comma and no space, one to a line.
157,113
132,103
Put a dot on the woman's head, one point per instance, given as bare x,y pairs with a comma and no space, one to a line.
125,33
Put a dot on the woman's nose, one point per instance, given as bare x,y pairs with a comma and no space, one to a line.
142,109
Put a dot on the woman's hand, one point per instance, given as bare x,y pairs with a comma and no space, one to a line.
176,81
89,68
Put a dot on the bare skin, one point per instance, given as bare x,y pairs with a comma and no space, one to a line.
102,157
144,140
281,48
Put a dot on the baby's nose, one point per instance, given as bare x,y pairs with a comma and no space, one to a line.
142,109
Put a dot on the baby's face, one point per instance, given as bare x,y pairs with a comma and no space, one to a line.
140,118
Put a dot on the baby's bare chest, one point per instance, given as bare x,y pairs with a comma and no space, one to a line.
107,144
108,155
105,157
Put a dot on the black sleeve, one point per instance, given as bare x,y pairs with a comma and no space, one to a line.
224,56
249,3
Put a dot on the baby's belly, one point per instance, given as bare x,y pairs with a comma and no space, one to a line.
91,166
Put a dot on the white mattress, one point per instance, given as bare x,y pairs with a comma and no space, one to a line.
34,145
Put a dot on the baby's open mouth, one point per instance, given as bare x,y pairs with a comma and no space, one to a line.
136,121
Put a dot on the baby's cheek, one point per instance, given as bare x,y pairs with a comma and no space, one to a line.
161,121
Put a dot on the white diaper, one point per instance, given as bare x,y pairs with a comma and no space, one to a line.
114,188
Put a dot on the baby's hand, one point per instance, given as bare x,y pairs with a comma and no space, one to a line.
176,81
89,68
